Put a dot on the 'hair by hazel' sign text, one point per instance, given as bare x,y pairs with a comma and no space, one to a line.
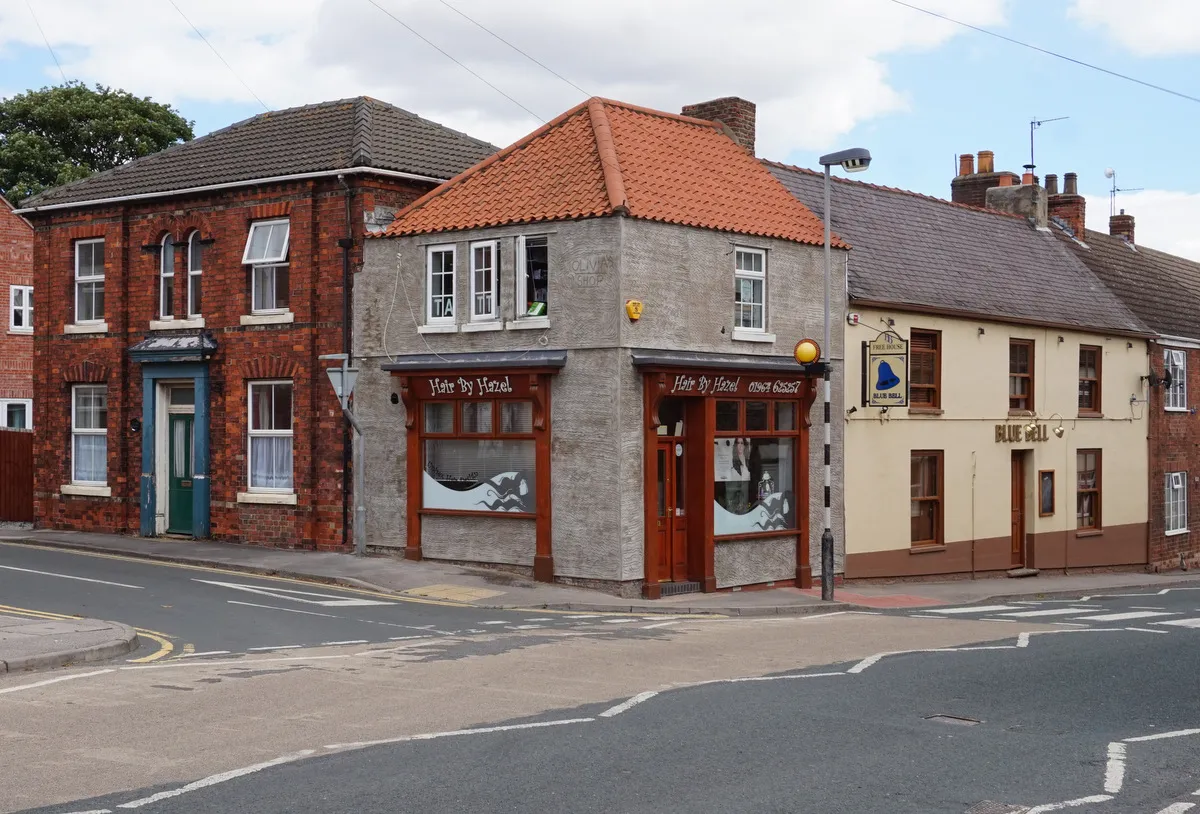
708,384
472,386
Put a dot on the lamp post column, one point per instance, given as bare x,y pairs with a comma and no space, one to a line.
827,534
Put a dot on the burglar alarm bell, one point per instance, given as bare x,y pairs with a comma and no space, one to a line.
633,309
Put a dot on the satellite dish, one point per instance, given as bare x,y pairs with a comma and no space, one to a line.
1108,173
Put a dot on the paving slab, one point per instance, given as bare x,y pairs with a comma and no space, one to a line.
42,644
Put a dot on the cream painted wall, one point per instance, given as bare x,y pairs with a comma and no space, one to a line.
974,400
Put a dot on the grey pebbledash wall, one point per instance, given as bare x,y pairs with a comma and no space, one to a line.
684,277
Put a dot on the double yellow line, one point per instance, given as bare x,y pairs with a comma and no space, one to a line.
165,647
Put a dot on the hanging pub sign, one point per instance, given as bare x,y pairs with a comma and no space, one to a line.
885,372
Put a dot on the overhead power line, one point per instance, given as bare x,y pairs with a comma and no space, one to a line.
487,30
218,53
1047,52
450,57
47,41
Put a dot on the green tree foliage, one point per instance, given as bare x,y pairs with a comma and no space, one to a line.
60,134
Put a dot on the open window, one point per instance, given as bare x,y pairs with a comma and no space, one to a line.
533,277
266,253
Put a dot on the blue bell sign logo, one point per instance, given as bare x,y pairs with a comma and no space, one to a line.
885,372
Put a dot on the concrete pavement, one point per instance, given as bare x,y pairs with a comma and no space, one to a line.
30,643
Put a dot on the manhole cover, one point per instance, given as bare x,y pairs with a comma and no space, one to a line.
989,807
956,720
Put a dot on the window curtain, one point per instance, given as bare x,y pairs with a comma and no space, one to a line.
91,458
271,463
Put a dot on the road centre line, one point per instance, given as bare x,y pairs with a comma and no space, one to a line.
974,609
288,610
1159,736
477,731
1120,617
213,780
1051,612
352,641
44,682
205,653
659,624
69,576
1146,630
277,647
629,704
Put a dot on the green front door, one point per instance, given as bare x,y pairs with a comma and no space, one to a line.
179,486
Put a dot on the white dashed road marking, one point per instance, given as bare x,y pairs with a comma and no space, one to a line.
1051,612
1177,808
1180,622
983,609
1121,617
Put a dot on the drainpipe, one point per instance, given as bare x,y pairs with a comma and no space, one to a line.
346,244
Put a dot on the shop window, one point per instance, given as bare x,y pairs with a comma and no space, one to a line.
1087,500
533,276
1089,379
1020,374
750,290
439,285
1175,366
271,437
1176,502
925,370
266,253
755,452
926,484
89,281
89,434
480,456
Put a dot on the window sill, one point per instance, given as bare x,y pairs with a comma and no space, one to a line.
1176,409
1175,533
926,549
925,411
86,328
20,331
740,335
437,329
85,491
176,324
477,327
1091,415
268,319
272,498
527,323
1089,533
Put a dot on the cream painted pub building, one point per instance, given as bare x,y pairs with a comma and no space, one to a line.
1023,444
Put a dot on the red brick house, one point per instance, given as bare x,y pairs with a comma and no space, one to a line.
187,297
16,340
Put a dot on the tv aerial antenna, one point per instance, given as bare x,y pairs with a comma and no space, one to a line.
1034,124
1112,194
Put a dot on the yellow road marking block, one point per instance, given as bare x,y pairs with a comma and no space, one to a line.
164,647
457,593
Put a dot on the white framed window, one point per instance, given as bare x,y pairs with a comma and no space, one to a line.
270,431
166,276
89,434
266,253
1176,502
20,308
533,276
750,290
485,276
1175,365
439,285
89,281
16,414
195,268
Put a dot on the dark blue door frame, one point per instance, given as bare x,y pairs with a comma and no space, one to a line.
151,374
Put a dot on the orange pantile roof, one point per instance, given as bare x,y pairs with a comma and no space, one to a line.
604,157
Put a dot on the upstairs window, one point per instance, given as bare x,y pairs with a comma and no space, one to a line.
20,308
485,273
195,266
1175,366
750,290
1020,375
89,281
1089,380
439,286
925,373
533,276
166,273
266,253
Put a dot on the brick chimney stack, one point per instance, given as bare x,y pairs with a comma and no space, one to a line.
1069,206
970,187
735,113
1121,226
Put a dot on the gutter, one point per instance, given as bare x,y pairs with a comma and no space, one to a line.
275,179
1179,341
913,308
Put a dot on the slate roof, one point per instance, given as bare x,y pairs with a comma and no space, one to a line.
1162,289
603,157
923,252
357,132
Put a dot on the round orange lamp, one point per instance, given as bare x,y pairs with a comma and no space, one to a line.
807,351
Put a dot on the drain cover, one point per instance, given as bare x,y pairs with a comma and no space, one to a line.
957,720
989,807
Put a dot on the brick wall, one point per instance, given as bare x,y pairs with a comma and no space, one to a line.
16,268
317,212
1174,447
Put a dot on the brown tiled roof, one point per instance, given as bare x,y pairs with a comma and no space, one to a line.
930,254
1162,289
358,132
603,157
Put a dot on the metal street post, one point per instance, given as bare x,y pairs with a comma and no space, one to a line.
853,160
343,379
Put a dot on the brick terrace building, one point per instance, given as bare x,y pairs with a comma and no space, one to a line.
188,295
16,340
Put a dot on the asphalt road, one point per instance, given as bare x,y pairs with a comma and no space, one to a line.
1104,719
200,611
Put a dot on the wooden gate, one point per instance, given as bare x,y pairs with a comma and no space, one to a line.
16,476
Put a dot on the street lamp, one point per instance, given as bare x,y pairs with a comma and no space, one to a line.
856,159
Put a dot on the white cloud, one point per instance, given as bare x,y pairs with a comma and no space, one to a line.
1151,28
1163,219
815,68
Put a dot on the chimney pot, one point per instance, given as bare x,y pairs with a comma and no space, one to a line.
735,113
1051,184
987,161
966,164
1071,184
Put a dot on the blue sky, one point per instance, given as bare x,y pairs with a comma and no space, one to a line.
826,74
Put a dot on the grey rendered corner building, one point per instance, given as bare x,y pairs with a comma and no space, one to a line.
576,360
